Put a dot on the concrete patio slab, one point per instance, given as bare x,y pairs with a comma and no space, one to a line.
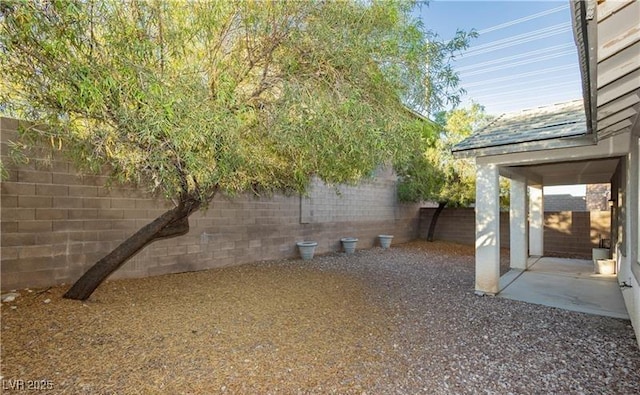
568,284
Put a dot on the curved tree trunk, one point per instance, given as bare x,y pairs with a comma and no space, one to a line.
172,223
434,220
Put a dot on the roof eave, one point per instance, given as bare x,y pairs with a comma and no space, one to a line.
583,15
538,145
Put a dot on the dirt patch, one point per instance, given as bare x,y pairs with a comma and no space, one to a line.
255,328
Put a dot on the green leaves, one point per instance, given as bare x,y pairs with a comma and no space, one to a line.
197,97
432,174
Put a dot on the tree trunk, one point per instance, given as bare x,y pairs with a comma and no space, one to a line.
172,223
434,220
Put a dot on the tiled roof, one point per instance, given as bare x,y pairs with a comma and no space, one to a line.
542,123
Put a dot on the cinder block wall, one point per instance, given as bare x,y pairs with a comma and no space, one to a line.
566,233
55,223
575,233
459,225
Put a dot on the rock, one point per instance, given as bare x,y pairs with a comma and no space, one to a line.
47,300
10,297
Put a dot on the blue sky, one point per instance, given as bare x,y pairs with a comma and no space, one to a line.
524,57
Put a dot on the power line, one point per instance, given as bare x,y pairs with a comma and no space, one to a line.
530,85
514,57
516,64
523,19
519,36
542,100
516,40
514,43
524,103
537,82
516,76
534,89
515,96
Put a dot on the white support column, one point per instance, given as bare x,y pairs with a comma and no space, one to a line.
518,229
633,202
487,229
536,221
629,272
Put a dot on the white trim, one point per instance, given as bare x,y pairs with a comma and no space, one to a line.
530,146
617,145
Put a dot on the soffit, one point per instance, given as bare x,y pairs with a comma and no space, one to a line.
576,172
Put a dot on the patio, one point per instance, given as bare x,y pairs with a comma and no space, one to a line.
568,284
593,140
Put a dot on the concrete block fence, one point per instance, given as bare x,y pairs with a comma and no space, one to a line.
566,233
56,222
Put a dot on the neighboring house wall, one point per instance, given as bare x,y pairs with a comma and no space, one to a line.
566,233
55,223
598,196
595,199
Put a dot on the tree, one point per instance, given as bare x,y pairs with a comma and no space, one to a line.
190,99
432,174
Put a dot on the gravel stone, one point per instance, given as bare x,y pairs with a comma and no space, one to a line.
9,297
397,321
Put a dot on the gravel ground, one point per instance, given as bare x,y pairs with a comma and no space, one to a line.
401,321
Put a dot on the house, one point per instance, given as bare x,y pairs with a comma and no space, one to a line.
593,140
